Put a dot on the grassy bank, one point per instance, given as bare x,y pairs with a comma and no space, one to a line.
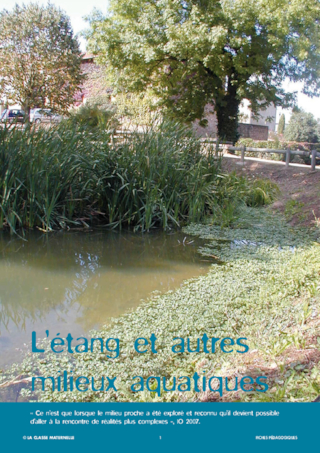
264,286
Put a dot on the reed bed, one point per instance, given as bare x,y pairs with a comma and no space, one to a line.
69,176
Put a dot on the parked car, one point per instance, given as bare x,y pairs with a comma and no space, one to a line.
13,116
44,116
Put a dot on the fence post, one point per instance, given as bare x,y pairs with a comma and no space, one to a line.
313,159
287,157
243,150
217,147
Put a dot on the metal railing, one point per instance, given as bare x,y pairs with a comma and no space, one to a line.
243,149
286,152
313,154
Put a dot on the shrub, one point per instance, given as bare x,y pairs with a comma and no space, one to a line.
93,116
261,192
233,192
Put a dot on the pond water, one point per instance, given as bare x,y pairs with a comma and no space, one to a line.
74,281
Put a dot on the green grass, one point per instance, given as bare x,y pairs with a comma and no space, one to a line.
292,208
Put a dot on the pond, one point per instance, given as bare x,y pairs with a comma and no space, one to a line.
75,281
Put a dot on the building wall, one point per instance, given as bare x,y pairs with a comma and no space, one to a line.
254,131
246,130
95,85
211,129
267,117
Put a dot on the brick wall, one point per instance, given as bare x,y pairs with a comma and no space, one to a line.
253,131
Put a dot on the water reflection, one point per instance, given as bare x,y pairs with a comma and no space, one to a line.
73,282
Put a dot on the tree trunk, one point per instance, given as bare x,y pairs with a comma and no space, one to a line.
227,109
26,110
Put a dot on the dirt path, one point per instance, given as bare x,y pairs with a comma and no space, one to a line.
299,199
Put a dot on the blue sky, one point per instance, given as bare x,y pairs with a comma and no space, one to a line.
77,9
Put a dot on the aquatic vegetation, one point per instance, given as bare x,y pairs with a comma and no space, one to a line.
66,176
232,192
265,287
62,176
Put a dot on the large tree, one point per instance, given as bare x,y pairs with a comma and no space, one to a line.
194,52
39,58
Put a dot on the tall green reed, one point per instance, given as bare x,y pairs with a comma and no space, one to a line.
62,176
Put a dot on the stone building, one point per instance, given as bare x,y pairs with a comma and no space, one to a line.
249,127
266,117
95,86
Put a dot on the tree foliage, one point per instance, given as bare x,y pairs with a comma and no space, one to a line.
303,127
39,57
282,124
194,52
